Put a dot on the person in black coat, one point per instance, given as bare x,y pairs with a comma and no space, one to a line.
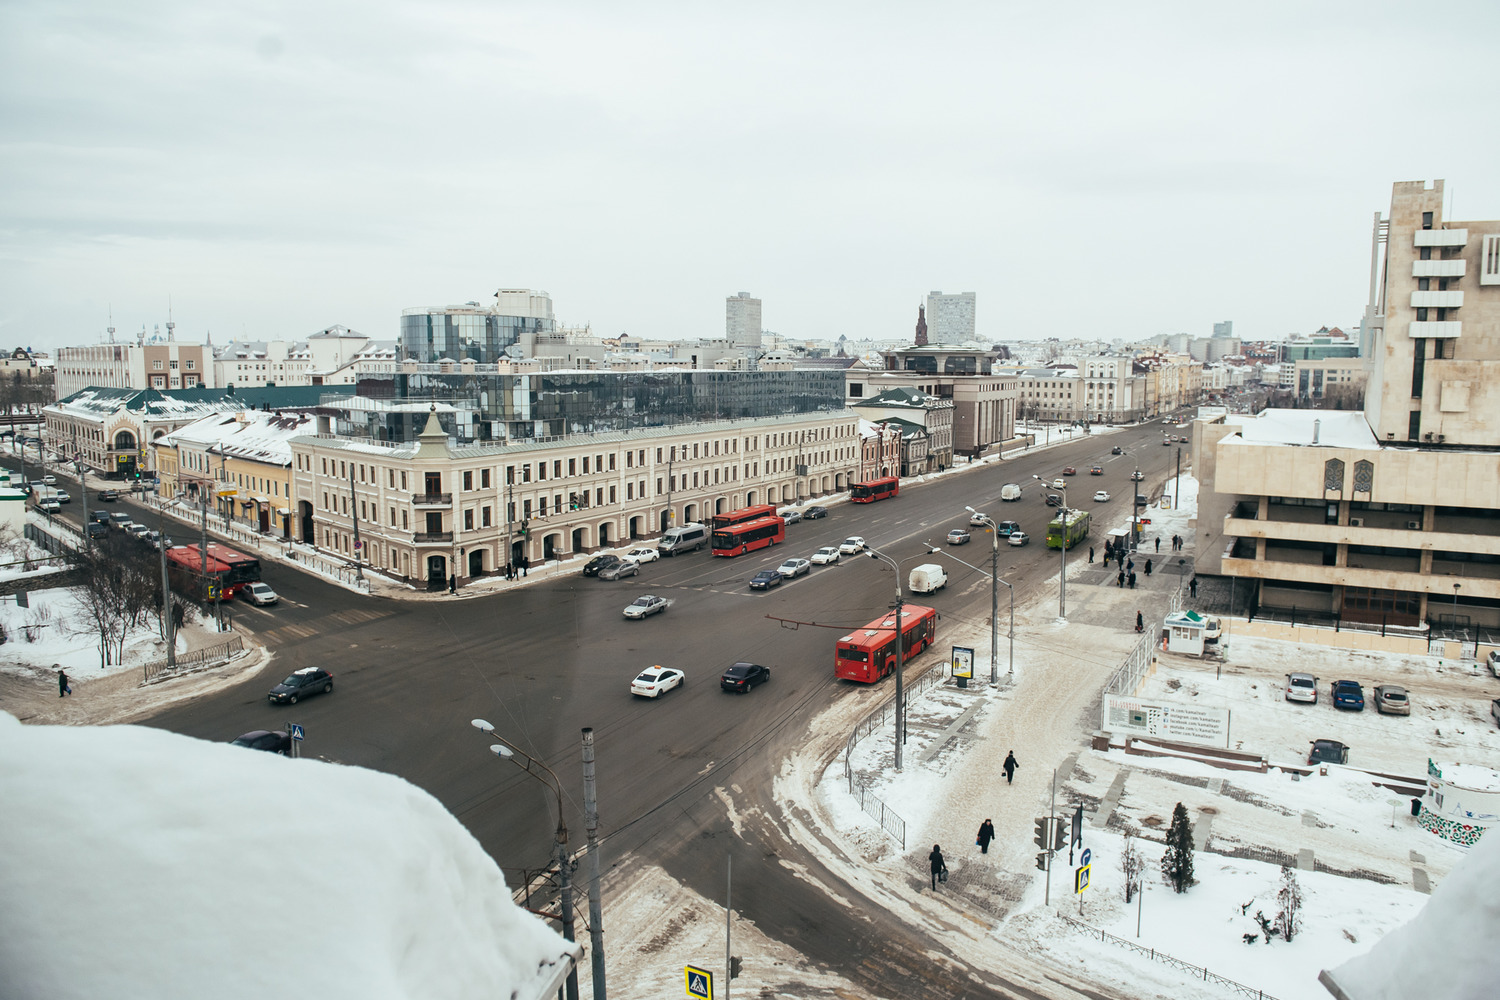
1010,766
986,834
1148,567
62,684
1140,623
938,865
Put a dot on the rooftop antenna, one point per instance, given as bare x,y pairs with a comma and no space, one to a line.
171,336
111,324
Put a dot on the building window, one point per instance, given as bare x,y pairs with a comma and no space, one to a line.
484,517
1414,426
403,481
484,479
541,471
468,481
469,519
393,517
405,520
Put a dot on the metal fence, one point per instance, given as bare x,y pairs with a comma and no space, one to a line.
1128,677
55,544
159,670
885,710
877,810
1196,971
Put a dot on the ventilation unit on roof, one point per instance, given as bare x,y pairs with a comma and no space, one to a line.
1356,522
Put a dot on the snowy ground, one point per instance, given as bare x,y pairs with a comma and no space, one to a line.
55,632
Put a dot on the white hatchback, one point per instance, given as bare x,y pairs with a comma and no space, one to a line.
852,545
826,555
260,594
643,554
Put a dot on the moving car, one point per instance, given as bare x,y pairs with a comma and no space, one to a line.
598,563
813,513
1008,527
653,682
794,567
301,684
259,594
852,545
744,676
49,480
958,536
1097,470
102,516
643,607
1059,484
643,554
1117,450
1137,475
1301,687
1101,496
765,580
620,569
1391,699
1018,538
978,518
139,531
1141,500
1327,752
108,496
49,506
1010,491
265,739
62,496
119,519
790,515
1054,500
1070,471
927,578
826,555
97,530
1348,694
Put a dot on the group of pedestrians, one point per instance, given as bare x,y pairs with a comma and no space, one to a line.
937,864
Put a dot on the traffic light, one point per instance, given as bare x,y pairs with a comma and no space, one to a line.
1041,862
525,529
1043,838
734,967
572,501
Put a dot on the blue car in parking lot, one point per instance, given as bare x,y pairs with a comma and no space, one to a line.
1348,694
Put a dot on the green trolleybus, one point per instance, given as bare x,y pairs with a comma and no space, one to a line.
1068,528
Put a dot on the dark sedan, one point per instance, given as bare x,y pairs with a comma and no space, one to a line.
744,676
594,565
1348,694
764,579
302,684
813,513
264,739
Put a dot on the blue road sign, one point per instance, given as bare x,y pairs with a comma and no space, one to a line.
1083,860
296,731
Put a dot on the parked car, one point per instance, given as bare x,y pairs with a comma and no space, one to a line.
794,567
620,569
1493,661
825,556
813,513
259,594
1137,475
790,515
1391,699
1101,496
1348,694
1117,450
265,739
643,607
1301,687
744,676
301,684
653,682
1018,538
599,563
852,545
1070,471
958,536
1097,470
109,496
1495,711
1327,752
765,580
643,554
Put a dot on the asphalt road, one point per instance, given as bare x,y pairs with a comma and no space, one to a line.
541,662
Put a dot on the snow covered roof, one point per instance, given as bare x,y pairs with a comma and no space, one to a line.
197,834
1335,428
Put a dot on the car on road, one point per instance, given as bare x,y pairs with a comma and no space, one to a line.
790,515
1493,661
643,554
1141,500
137,531
301,684
63,496
97,530
794,567
1327,752
1167,441
744,676
102,516
109,496
653,682
620,569
1348,694
644,607
1006,528
825,556
48,505
1391,699
157,541
1059,484
1301,687
765,580
260,594
1070,471
852,545
265,739
1054,500
119,520
958,536
1137,475
1117,450
1097,470
595,565
813,513
49,480
977,518
1018,538
1101,496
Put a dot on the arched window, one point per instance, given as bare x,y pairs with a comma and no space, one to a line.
1333,475
124,441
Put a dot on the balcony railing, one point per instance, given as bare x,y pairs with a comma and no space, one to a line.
432,537
432,499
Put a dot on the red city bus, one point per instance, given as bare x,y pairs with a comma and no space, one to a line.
234,571
738,539
875,489
185,570
870,653
743,515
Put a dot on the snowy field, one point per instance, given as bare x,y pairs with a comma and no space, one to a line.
54,632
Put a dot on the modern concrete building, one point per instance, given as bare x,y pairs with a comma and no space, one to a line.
742,322
950,318
1314,380
153,362
481,333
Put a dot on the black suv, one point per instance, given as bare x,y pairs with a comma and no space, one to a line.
594,565
744,676
264,739
305,682
1327,752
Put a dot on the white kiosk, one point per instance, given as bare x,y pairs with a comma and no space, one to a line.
1188,632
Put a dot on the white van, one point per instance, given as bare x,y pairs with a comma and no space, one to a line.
1010,491
688,538
927,578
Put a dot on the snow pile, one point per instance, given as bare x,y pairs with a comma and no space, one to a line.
55,632
140,863
1447,950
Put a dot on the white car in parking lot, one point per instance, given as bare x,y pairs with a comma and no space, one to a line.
825,556
793,568
643,554
1302,687
852,545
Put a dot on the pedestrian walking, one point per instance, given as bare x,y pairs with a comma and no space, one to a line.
63,688
938,865
1130,566
1193,586
986,834
1158,543
525,565
1010,765
1140,622
1091,553
1120,580
1148,567
452,583
1130,581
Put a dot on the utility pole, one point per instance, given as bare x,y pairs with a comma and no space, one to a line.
83,495
1177,481
509,542
359,571
728,922
166,585
591,824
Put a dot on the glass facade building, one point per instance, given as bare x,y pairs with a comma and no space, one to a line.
459,332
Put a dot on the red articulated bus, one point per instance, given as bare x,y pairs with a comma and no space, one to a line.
242,571
870,653
738,539
185,569
875,489
743,515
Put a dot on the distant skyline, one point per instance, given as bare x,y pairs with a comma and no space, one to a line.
1109,172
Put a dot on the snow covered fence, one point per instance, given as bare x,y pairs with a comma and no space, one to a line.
197,659
1197,972
890,821
877,718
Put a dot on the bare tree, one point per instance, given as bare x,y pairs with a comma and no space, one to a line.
1131,865
101,592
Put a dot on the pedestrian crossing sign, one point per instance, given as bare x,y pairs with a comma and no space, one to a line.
700,983
1081,880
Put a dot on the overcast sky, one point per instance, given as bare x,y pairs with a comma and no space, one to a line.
1111,170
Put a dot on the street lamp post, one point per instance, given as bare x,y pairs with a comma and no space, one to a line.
1062,548
506,751
994,593
1010,673
875,553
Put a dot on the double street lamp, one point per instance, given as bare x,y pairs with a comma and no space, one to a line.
875,553
995,598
